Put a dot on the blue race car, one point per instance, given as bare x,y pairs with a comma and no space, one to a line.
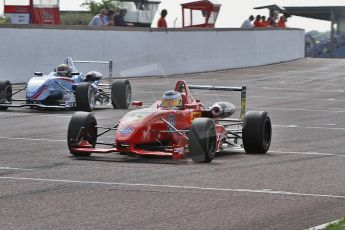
67,88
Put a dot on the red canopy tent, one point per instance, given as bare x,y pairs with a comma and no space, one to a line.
209,11
37,12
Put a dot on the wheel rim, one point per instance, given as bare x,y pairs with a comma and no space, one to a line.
267,132
8,93
91,98
128,94
211,142
3,97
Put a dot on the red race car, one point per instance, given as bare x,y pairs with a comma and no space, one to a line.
176,126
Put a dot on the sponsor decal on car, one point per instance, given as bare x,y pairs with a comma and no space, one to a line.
179,150
146,132
126,131
194,115
172,121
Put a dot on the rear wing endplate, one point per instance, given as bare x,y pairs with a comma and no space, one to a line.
242,89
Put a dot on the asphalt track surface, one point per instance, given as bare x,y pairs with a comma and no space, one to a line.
298,184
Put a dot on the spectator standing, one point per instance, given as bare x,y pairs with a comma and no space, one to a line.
247,24
98,20
109,18
281,22
270,22
119,18
263,21
274,17
258,22
161,22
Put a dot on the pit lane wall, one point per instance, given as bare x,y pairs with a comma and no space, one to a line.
25,49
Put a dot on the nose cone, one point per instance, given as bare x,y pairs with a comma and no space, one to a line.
132,124
35,87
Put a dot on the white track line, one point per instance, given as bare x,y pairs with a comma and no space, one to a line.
328,110
303,90
30,139
35,115
10,168
309,127
28,113
308,153
226,94
263,191
299,98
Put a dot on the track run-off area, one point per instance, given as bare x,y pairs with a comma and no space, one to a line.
298,184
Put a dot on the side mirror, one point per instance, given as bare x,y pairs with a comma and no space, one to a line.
39,74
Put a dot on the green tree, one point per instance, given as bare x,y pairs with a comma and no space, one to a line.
95,7
4,20
75,18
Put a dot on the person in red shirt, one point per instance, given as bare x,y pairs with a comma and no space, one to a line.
263,21
281,22
270,22
258,22
161,22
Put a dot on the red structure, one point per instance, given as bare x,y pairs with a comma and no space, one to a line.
37,12
208,9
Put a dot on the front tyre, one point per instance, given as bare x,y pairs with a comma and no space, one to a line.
82,127
85,97
257,132
5,93
121,94
202,140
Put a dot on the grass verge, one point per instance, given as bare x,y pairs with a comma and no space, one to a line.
337,226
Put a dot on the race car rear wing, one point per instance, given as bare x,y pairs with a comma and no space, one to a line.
109,63
242,89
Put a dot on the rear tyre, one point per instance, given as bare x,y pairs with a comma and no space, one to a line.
85,97
121,94
202,140
257,132
81,127
5,93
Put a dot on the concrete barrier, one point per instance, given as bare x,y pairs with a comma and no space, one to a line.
25,49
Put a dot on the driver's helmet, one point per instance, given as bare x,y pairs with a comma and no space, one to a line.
63,70
172,100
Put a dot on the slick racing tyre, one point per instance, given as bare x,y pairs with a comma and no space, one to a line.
85,97
257,132
121,94
81,128
5,93
202,140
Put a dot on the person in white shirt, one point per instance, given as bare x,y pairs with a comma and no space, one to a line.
99,19
247,23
